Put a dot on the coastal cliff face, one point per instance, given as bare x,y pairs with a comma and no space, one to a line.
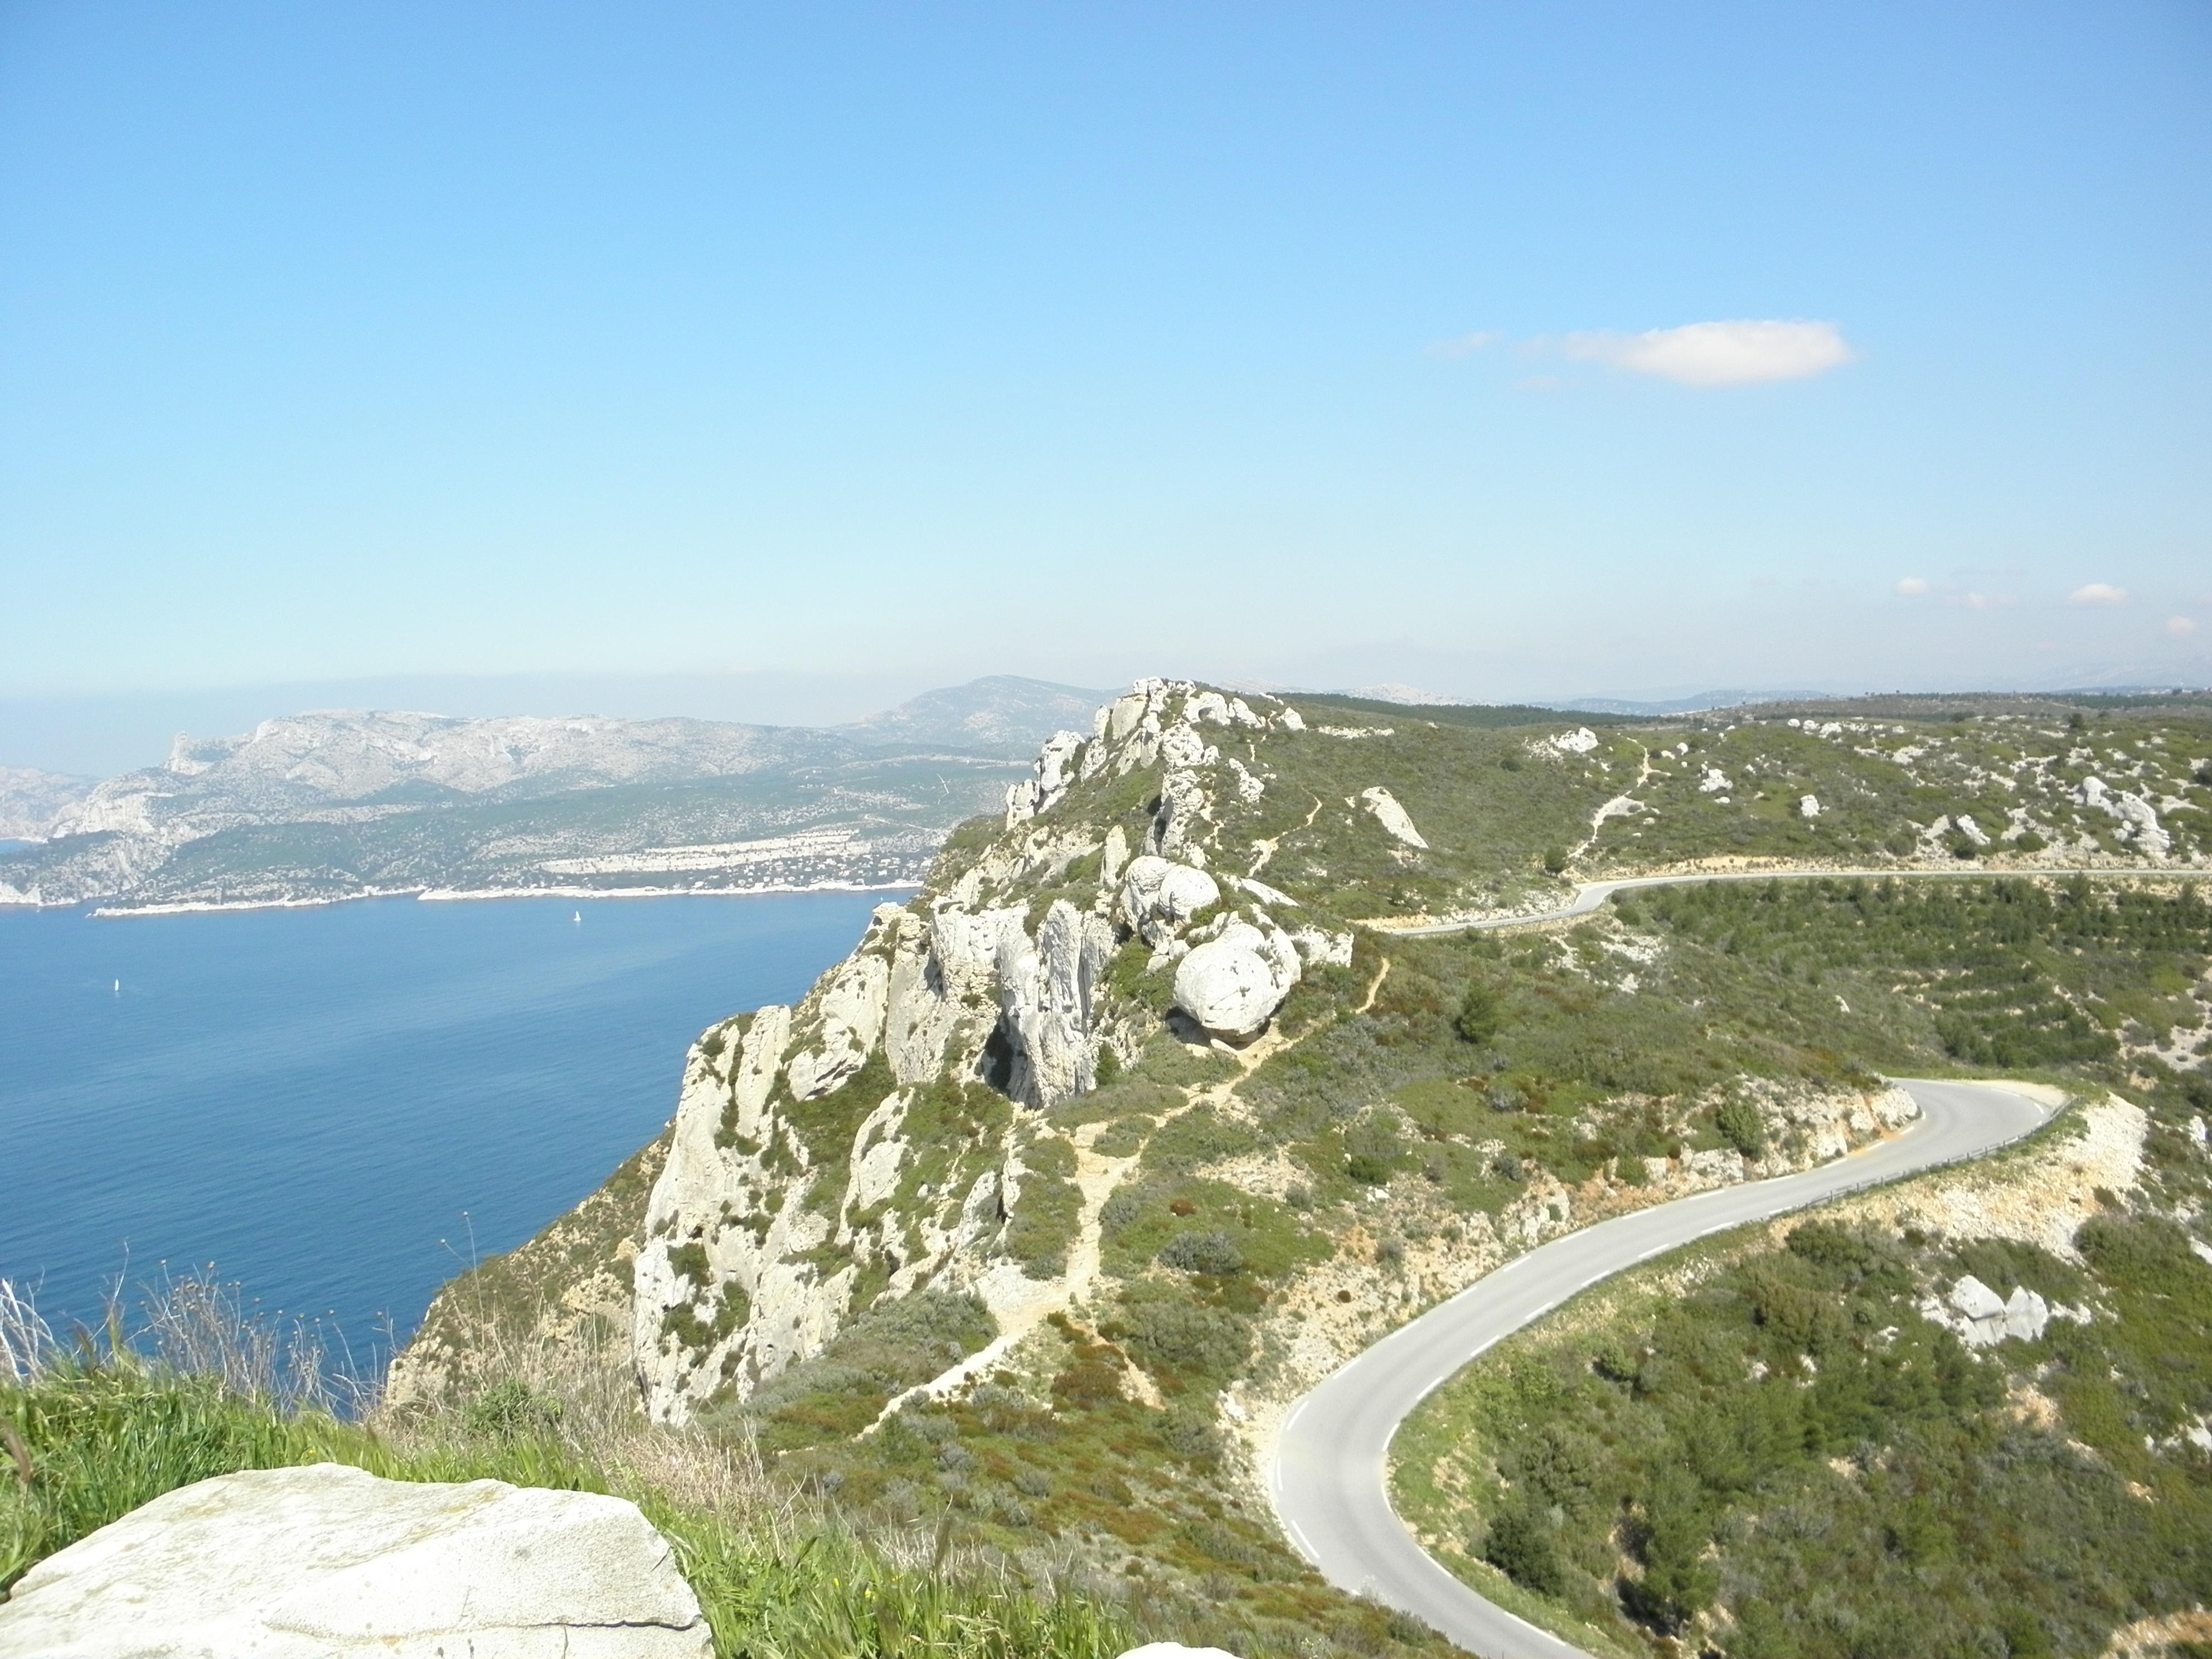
1157,1103
869,1142
913,1123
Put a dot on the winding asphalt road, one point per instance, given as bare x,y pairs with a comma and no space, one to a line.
1329,1481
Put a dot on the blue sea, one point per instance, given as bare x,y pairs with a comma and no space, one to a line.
337,1108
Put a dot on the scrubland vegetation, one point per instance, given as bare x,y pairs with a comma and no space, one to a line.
1771,1451
1789,1460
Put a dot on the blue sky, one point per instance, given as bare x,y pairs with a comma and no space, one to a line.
1309,344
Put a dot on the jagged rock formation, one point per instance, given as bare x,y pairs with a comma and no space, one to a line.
771,1220
331,1560
2138,818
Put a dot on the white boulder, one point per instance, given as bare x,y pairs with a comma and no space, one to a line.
1808,806
328,1560
2138,817
2026,1315
1391,816
1983,1319
1203,706
1232,985
1158,896
1176,1650
1714,782
1318,944
1261,891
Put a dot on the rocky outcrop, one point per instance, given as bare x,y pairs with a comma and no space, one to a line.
1232,985
1159,896
1983,1319
1047,991
1580,741
1035,794
1392,816
723,1293
850,1005
2138,817
329,1560
763,1230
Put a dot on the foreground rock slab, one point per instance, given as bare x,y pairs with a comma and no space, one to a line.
329,1560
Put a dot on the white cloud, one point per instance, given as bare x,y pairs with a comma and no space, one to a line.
2180,626
2097,593
1913,586
1467,345
1739,353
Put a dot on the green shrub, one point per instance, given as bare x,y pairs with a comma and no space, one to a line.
1190,1341
1203,1253
1519,1545
1740,1125
512,1410
1480,1017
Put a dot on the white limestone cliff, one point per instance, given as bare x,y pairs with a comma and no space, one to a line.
758,1240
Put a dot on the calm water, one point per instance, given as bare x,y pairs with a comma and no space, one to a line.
310,1100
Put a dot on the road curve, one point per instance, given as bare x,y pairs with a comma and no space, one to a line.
1327,1481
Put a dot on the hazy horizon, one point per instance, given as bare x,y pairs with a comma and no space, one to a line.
103,736
1506,354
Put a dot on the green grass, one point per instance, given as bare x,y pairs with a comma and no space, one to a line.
101,1439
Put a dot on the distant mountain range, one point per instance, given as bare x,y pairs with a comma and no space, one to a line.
31,801
341,803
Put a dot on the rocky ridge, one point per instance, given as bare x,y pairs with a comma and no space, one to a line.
1101,1124
1040,956
733,1283
340,804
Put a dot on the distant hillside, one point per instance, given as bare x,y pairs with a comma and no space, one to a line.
31,801
1456,713
341,803
1001,713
